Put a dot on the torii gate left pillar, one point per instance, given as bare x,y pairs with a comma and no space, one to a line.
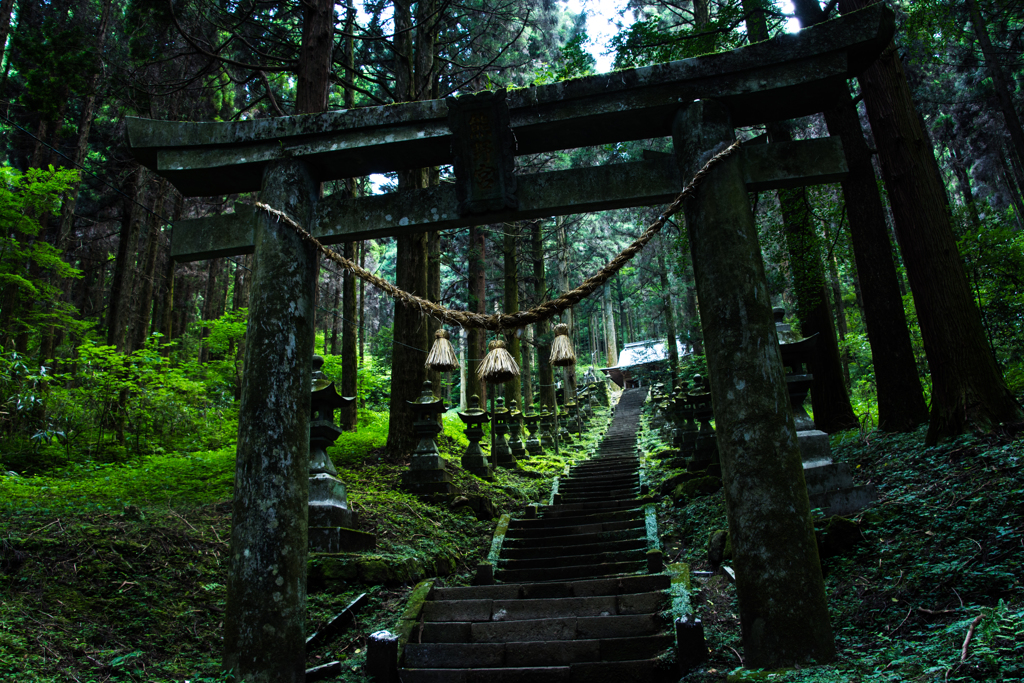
266,610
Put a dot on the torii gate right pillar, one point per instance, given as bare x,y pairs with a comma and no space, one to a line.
783,609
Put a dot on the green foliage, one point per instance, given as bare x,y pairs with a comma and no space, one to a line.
661,38
30,267
162,479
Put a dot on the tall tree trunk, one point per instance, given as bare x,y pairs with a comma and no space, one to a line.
210,304
349,346
6,7
527,376
362,303
313,77
477,339
901,405
563,287
167,308
967,386
84,127
118,308
610,340
145,304
336,323
693,332
545,373
832,410
999,80
513,389
829,397
670,319
963,181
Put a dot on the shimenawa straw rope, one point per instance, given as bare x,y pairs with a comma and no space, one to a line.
507,321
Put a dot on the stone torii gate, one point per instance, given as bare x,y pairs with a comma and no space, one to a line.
697,102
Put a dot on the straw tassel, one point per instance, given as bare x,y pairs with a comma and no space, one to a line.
561,348
442,356
498,366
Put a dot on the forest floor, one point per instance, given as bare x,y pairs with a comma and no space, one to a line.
116,572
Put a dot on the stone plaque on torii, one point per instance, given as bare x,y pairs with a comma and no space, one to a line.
286,158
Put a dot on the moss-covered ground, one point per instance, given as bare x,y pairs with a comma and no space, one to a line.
942,549
115,572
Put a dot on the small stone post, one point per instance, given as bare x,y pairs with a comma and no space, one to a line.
264,623
783,610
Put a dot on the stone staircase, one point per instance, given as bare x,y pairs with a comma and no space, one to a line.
572,600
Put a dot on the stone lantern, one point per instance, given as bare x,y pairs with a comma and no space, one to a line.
428,473
515,428
564,437
547,428
332,522
533,445
573,426
474,460
501,453
705,451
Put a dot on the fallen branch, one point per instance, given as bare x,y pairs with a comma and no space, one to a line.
970,634
935,612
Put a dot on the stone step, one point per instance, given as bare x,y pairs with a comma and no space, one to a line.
644,583
519,609
645,670
533,654
589,496
599,483
582,549
605,493
560,532
571,509
597,536
569,559
554,522
577,572
532,630
624,468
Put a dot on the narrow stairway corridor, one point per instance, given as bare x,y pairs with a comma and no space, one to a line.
573,600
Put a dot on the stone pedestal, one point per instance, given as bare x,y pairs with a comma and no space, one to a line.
830,485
